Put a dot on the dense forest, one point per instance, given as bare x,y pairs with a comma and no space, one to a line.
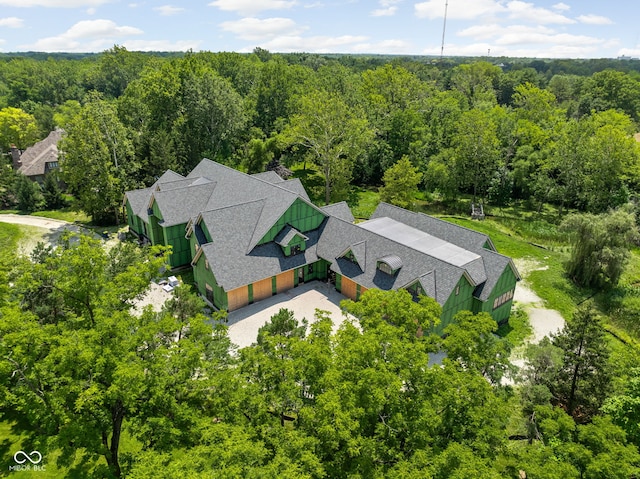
530,131
106,391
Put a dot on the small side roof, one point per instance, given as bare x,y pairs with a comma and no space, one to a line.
287,234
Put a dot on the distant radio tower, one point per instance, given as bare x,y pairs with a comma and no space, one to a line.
444,28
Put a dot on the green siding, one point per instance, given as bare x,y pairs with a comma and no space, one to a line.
180,247
300,215
250,294
203,276
506,282
155,230
456,302
134,222
339,282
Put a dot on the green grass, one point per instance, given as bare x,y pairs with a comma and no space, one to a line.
72,216
550,283
367,202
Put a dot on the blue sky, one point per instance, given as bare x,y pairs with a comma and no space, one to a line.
543,29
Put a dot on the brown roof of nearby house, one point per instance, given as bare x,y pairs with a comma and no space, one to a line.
35,158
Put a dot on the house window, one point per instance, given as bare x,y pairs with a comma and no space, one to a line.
385,268
502,299
310,269
295,249
206,263
457,290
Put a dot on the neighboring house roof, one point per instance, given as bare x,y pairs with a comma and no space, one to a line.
35,158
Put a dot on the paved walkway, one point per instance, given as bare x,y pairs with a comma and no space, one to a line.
303,301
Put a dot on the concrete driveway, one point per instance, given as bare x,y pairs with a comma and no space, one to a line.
303,301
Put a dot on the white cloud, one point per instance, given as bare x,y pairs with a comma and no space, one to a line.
433,9
91,11
161,45
561,7
11,22
54,3
255,29
594,20
315,44
384,12
84,36
389,47
251,7
168,10
519,10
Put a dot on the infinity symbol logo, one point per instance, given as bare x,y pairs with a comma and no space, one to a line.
34,457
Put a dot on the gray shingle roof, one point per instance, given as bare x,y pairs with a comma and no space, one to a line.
337,234
227,252
493,263
457,235
35,158
341,210
270,176
178,205
287,234
139,199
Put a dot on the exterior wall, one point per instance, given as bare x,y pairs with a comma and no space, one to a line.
180,247
134,222
155,230
456,302
203,277
506,284
300,215
317,270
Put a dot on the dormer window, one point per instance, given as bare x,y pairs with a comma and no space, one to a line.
389,264
291,241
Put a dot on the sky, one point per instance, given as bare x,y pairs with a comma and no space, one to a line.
512,28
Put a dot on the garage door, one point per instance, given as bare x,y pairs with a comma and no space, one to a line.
262,289
284,281
348,288
237,298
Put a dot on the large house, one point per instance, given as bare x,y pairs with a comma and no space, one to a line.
38,160
249,237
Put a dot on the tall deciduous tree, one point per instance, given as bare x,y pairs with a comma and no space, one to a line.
334,136
476,152
97,160
601,247
17,128
79,373
401,184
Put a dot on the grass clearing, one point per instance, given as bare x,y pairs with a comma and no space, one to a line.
367,202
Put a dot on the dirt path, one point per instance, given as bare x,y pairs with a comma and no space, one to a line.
39,229
543,321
